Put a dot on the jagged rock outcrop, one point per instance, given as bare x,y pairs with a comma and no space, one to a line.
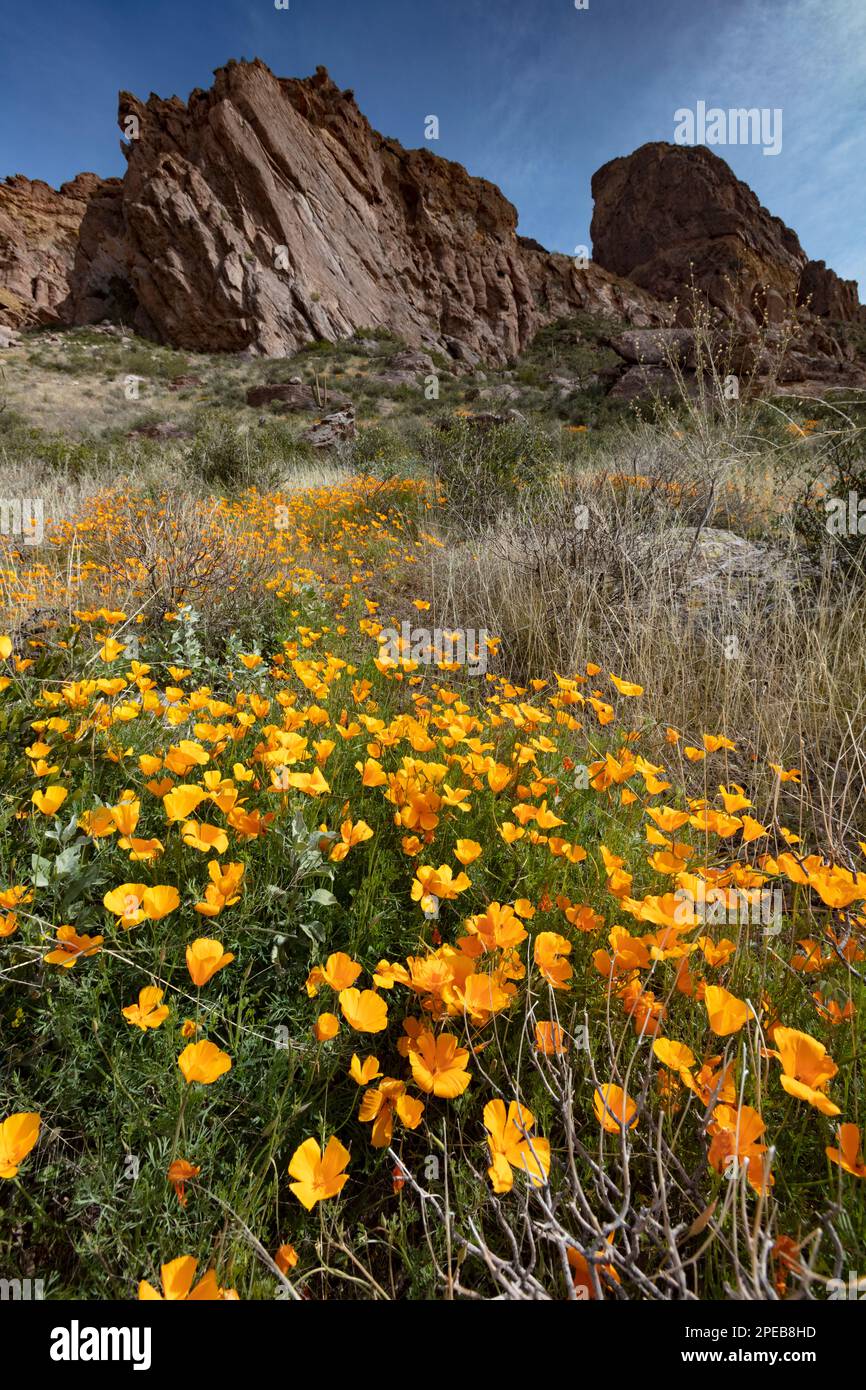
264,213
39,236
668,216
675,220
267,212
829,296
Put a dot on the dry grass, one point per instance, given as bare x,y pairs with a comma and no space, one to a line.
748,636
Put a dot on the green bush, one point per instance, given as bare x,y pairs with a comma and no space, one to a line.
232,457
479,469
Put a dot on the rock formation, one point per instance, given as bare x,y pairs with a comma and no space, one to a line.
39,233
828,296
265,213
669,216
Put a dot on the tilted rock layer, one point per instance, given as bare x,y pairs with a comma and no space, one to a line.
266,212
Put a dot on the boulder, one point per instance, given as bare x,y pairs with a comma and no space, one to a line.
295,395
332,429
643,383
654,346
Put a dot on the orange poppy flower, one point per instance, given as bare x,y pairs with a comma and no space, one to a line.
50,800
364,1010
179,1174
727,1014
735,1133
379,1105
286,1258
18,1134
204,837
849,1154
806,1068
326,1027
177,1278
71,947
204,957
439,1064
512,1146
550,950
203,1062
581,1275
362,1073
318,1176
149,1012
614,1109
549,1039
182,801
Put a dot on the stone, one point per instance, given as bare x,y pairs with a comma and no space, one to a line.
654,346
295,395
505,392
332,429
643,383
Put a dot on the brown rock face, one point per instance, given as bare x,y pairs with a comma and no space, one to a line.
670,213
829,296
39,230
265,213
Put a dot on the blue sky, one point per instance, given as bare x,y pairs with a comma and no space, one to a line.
532,94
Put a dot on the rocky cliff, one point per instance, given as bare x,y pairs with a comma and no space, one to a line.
266,212
39,232
669,216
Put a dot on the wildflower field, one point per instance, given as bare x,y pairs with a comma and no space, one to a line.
330,971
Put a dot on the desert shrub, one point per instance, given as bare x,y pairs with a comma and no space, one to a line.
376,451
179,553
830,509
479,469
379,335
233,457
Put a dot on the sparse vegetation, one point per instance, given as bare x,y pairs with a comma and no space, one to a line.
495,946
